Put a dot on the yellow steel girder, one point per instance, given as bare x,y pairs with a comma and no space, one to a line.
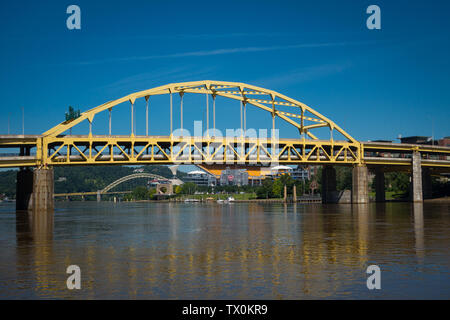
167,150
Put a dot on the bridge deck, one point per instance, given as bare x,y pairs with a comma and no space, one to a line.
124,149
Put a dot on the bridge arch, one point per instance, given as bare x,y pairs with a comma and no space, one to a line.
303,117
130,177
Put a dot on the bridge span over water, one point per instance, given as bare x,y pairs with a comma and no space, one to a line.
57,147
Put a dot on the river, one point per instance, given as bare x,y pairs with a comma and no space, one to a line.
226,251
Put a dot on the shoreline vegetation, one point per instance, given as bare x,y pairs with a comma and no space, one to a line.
91,179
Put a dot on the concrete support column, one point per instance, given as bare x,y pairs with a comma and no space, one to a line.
426,183
360,190
328,184
416,178
24,189
380,195
294,193
99,196
43,190
285,194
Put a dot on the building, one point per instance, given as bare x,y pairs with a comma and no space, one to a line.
444,142
416,140
231,177
201,178
301,173
280,170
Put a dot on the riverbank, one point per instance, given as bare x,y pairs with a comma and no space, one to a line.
442,199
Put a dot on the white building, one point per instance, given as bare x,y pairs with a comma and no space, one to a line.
201,178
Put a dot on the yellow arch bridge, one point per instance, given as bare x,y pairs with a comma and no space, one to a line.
214,151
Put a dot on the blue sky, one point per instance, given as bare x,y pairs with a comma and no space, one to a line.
375,84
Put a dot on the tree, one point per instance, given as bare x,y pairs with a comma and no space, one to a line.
302,187
265,190
277,188
288,181
151,193
343,178
188,188
140,193
72,115
397,182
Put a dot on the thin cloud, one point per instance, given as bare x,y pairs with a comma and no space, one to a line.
215,35
226,51
303,75
148,80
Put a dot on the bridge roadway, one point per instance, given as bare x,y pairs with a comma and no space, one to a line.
100,149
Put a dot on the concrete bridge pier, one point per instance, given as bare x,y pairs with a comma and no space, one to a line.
380,195
24,188
416,193
34,190
420,187
360,184
328,184
99,196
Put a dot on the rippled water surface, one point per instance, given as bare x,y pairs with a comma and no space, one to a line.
226,251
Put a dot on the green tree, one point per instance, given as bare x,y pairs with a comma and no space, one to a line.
188,188
288,181
265,190
343,178
72,114
140,193
151,193
397,182
277,188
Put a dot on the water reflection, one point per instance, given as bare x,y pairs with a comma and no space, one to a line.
418,231
34,236
34,226
210,251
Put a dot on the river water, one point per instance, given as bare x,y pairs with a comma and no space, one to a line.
226,251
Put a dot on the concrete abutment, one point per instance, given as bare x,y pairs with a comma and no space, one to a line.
34,190
360,184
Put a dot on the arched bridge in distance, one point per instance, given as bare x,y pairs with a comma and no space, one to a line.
57,147
109,187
